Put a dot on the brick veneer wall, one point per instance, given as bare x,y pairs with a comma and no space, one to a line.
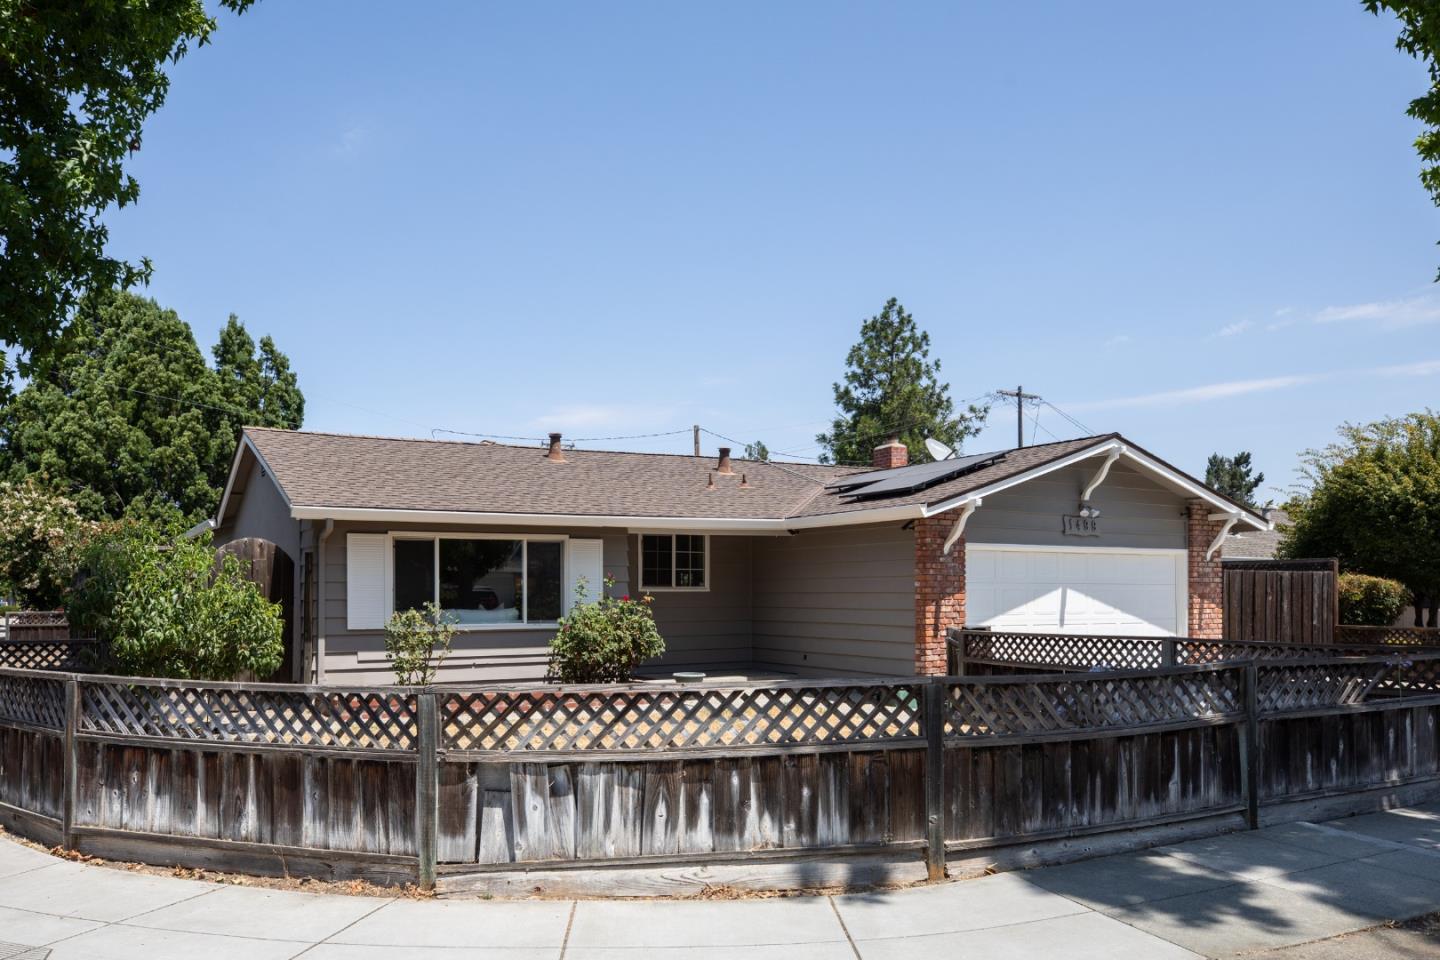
939,591
1206,619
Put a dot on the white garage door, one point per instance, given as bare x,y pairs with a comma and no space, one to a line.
1075,590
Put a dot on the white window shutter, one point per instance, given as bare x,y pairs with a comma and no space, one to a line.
584,559
365,580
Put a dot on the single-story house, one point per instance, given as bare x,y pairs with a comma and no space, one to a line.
753,566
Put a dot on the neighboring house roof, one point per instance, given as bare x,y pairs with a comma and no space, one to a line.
1257,544
342,476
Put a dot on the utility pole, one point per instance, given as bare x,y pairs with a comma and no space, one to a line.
696,430
1020,397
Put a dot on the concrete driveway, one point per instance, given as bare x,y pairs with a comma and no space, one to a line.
1223,897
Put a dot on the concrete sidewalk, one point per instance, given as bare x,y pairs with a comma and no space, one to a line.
1222,897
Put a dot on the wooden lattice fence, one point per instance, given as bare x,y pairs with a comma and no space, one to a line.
986,651
511,787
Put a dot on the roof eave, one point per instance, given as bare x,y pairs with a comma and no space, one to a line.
715,524
1127,449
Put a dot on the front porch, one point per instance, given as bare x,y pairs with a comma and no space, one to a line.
836,602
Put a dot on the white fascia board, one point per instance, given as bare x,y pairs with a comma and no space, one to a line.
1124,450
536,519
961,499
240,448
1198,490
775,525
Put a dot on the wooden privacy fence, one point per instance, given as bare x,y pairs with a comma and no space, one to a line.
817,783
35,625
1292,600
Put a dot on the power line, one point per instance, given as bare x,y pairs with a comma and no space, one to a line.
1080,426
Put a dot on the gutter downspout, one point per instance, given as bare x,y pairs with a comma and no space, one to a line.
320,601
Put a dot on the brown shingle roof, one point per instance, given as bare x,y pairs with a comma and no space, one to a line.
383,473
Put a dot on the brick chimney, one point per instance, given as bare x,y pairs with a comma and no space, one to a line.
724,468
891,453
557,453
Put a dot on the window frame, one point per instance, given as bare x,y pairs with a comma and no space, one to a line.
640,536
525,623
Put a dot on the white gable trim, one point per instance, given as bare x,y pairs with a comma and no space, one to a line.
240,448
1120,449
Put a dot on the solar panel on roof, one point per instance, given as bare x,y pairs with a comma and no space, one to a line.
898,480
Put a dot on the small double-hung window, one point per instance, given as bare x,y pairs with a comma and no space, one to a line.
674,561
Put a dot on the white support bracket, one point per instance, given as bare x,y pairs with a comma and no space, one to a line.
1101,474
1230,520
958,531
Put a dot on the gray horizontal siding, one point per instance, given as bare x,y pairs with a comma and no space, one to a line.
1135,511
359,655
837,602
262,513
706,629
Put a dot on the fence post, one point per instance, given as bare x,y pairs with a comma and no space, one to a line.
1250,744
957,653
1167,652
935,778
427,787
71,761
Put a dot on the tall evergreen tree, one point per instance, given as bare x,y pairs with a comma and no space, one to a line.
1232,477
891,386
126,417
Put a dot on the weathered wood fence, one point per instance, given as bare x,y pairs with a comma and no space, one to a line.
643,788
1295,601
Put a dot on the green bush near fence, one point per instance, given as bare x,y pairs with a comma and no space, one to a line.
1368,601
166,606
604,640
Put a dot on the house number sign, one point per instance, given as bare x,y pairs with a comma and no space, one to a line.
1080,526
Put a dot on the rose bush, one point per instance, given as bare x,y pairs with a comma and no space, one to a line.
604,640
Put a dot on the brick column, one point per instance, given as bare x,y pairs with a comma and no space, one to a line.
1206,620
939,591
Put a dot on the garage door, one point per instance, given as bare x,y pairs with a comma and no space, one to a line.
1075,590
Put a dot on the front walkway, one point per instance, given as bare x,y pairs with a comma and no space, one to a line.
1216,898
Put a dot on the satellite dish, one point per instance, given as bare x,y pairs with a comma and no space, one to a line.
938,450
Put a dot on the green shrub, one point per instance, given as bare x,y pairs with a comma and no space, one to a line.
42,536
1371,601
605,640
418,641
167,607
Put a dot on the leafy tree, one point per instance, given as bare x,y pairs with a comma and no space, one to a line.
1420,38
1373,501
41,538
77,82
127,417
757,451
167,606
1232,477
258,382
892,386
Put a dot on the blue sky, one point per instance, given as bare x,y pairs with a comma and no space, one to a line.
1200,227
